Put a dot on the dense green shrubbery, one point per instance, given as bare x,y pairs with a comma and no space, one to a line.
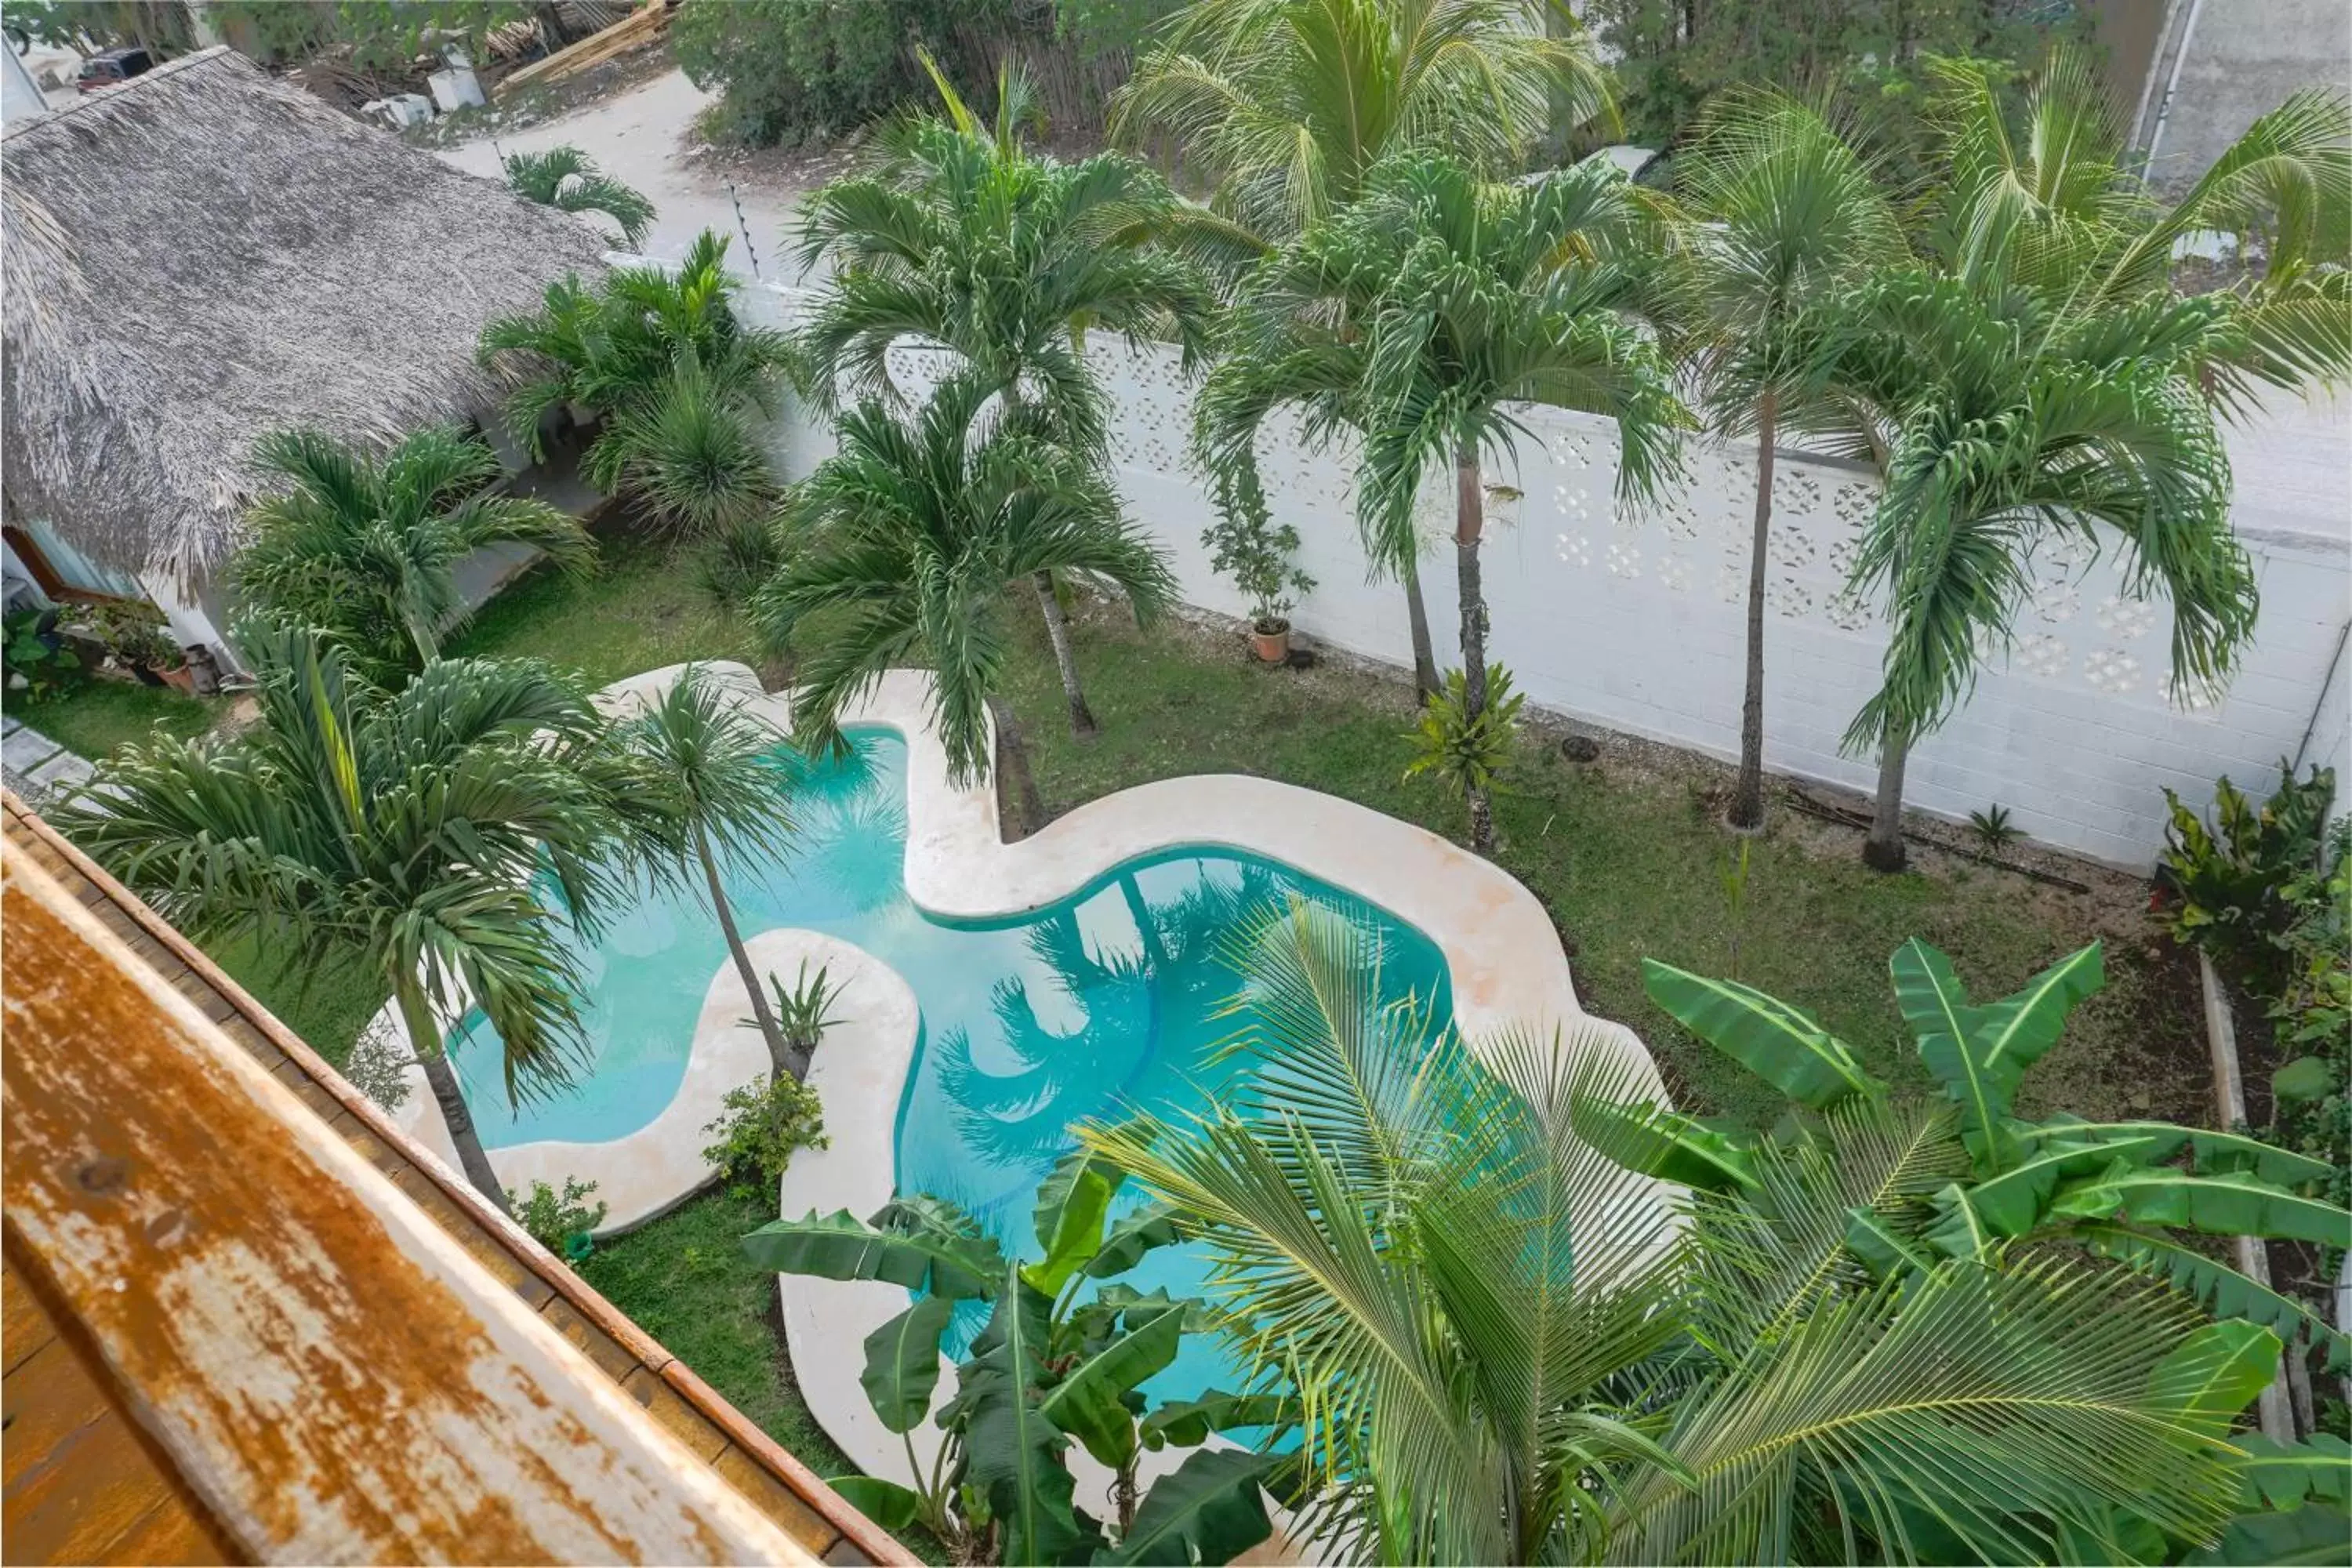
564,1223
763,1126
786,69
2224,885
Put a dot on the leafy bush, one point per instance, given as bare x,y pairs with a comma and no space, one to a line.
1244,544
560,1222
31,654
2312,1016
2222,888
761,1128
788,68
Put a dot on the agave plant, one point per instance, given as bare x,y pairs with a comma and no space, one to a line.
1509,1347
1061,1359
567,179
1990,1179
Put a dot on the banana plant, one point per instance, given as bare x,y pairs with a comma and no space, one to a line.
2125,1190
1061,1359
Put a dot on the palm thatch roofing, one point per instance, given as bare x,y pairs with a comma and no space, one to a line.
204,254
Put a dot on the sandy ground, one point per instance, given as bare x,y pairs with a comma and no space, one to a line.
639,137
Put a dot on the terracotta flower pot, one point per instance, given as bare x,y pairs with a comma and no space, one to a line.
180,679
1273,647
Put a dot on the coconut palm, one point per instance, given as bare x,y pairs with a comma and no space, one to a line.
1785,218
451,836
1467,300
2042,378
966,240
1287,106
1505,1350
727,778
567,179
909,535
367,547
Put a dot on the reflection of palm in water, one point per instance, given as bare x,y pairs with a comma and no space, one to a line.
856,837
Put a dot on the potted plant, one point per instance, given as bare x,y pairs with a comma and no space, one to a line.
1246,545
140,641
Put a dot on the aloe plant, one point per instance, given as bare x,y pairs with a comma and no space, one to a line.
1985,1178
1057,1361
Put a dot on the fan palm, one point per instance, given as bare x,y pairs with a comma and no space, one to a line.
910,534
367,547
1505,1350
966,240
1785,218
567,179
1288,105
450,836
725,775
2041,378
1465,301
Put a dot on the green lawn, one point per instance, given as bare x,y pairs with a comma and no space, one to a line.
96,716
642,611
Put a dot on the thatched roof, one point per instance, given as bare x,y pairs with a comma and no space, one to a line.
203,255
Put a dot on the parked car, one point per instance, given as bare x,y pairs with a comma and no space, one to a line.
113,67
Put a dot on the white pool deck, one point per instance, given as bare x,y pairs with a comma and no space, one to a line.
1501,949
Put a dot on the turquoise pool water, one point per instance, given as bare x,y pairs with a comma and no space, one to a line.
1094,1005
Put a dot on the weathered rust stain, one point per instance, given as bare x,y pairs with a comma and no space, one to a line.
255,1305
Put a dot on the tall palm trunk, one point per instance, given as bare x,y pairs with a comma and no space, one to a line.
1424,657
1057,629
425,1041
420,632
1747,795
781,1056
1883,850
1469,528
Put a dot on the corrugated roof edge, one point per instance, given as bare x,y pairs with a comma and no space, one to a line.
878,1544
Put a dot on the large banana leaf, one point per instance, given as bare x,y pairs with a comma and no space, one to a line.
1070,1227
2017,1199
1667,1144
902,1363
1154,1225
2288,1475
2211,1378
1883,1250
2229,1204
1086,1403
886,1503
1211,1509
2217,1286
2153,1143
1979,1054
1012,1452
836,1246
2313,1533
1189,1422
1779,1044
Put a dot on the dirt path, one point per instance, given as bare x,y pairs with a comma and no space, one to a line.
640,137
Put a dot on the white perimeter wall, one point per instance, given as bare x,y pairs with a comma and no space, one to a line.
1636,621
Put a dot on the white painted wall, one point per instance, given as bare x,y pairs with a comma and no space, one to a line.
1636,622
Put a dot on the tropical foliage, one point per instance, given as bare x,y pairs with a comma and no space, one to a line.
1982,1179
567,179
1509,1347
2228,887
1467,751
450,838
1060,1359
760,1128
906,539
367,548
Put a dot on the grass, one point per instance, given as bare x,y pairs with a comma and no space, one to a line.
93,717
642,611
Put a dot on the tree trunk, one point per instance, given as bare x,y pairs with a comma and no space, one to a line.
1424,657
1057,628
1747,795
781,1056
1883,850
424,1040
1469,527
421,632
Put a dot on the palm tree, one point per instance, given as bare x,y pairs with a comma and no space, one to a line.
567,179
2042,378
414,832
1504,1351
727,778
909,535
1784,218
687,450
1287,106
1467,300
966,240
367,548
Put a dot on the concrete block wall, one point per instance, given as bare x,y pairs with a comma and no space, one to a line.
1634,619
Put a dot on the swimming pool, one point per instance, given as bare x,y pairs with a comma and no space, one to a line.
1095,1003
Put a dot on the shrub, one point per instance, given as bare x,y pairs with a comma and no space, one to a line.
1246,545
36,663
2311,1015
788,68
763,1126
2223,886
560,1222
